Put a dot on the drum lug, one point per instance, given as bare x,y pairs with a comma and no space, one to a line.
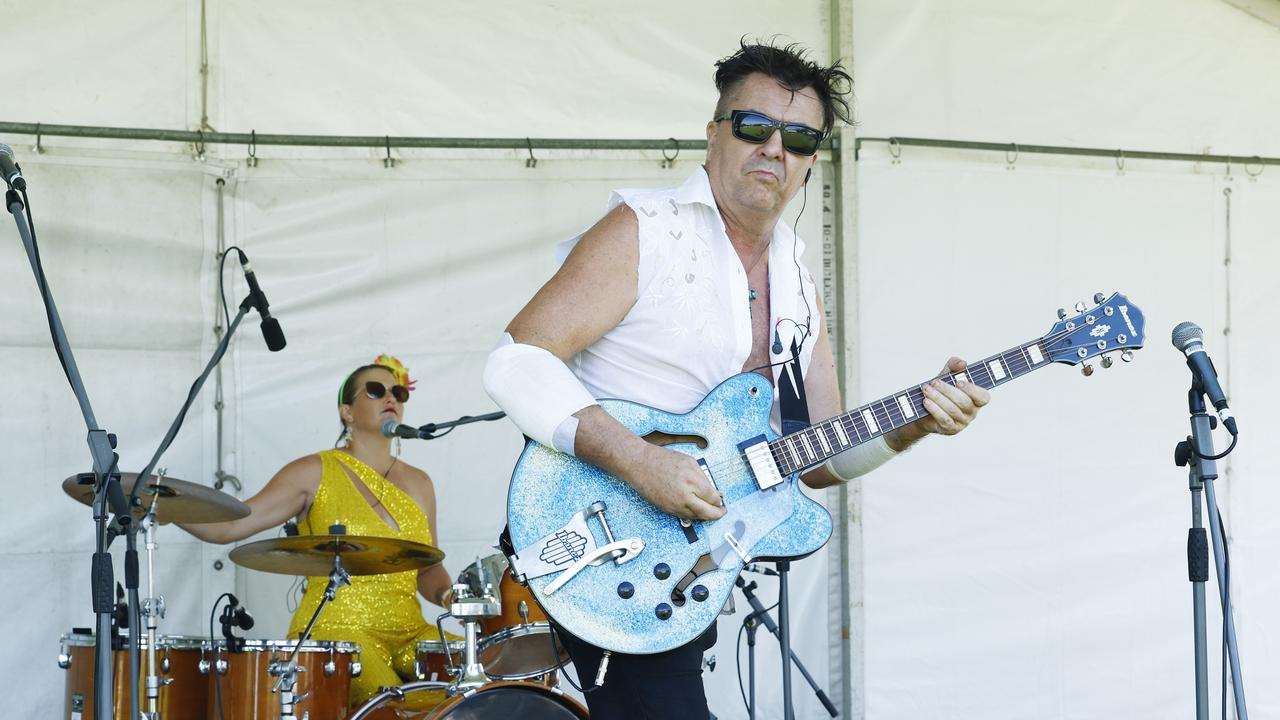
356,667
165,664
221,665
330,667
64,659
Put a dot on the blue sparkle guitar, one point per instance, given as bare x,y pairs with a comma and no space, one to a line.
622,575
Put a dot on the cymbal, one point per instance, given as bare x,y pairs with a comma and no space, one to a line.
179,500
313,555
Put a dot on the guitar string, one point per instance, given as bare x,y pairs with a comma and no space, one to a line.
913,394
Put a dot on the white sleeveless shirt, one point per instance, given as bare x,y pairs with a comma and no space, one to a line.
690,327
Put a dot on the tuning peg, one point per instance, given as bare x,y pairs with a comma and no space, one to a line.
1098,298
1127,356
1062,314
1107,361
1080,306
1086,369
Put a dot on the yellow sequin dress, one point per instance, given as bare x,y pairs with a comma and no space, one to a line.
380,612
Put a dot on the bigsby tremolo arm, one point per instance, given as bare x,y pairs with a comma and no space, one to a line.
620,551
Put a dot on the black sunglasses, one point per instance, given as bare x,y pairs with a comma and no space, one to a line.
376,390
756,128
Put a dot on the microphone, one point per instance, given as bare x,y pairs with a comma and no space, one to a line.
391,428
10,170
271,331
1189,338
234,615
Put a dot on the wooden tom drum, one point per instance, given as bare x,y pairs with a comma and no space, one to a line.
244,679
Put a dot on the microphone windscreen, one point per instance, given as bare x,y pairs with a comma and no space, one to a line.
389,427
1185,333
272,333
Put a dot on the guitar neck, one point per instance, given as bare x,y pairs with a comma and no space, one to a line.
817,443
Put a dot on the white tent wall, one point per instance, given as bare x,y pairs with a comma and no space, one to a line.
1036,568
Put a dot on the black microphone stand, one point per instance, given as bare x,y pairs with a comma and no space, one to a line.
107,490
759,616
428,431
1197,453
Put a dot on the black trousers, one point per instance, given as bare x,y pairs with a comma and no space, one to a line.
663,686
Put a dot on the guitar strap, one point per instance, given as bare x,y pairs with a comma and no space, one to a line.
793,406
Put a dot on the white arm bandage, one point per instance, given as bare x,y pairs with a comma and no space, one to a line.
538,392
861,460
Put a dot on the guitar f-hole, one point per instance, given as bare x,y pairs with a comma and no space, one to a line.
661,439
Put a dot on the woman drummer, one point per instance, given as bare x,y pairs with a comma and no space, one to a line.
361,485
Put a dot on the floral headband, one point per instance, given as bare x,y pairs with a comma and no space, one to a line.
393,364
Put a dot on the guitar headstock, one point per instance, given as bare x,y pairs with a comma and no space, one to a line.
1113,325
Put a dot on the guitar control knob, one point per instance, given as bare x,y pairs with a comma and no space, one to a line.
700,593
1098,298
663,611
626,590
662,571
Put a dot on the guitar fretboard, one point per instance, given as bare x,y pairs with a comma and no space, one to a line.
818,442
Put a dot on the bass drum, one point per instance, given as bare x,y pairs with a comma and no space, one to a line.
505,700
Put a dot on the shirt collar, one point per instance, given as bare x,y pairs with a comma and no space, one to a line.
697,189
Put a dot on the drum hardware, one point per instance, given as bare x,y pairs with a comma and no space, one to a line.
468,608
152,607
341,556
515,643
288,670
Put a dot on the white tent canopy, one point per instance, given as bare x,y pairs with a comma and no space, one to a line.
1034,566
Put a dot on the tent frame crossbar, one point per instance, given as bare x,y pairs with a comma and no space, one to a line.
1120,155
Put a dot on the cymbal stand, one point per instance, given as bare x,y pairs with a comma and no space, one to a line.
287,671
152,607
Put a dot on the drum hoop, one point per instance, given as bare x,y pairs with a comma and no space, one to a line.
310,646
515,631
163,642
438,646
554,692
374,702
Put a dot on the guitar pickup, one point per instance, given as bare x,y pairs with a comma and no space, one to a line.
620,552
760,459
